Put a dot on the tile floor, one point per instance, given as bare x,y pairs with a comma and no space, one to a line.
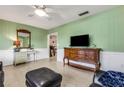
72,77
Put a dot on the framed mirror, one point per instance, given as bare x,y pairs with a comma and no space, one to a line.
24,36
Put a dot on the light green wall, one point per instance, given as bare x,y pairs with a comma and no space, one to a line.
8,34
106,30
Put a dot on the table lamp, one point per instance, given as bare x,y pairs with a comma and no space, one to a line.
16,43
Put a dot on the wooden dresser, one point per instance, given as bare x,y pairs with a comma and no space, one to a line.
85,58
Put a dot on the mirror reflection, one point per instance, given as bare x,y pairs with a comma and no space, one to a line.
24,37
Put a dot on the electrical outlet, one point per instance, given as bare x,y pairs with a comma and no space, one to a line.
122,65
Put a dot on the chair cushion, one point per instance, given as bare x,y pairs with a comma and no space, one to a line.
1,75
112,79
43,77
1,78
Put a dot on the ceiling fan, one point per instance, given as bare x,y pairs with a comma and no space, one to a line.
42,11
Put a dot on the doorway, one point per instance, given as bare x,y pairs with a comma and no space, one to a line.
52,45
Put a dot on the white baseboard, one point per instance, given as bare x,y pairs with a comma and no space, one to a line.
109,60
42,53
7,56
112,61
60,55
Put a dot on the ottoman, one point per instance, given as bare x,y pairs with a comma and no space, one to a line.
43,77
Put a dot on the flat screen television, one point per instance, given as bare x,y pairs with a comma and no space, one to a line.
81,40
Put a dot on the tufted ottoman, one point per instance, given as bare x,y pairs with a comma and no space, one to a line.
43,77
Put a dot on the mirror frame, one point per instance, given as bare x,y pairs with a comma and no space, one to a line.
24,31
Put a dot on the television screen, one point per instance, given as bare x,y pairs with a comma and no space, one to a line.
82,40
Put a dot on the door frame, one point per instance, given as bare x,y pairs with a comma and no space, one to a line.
48,42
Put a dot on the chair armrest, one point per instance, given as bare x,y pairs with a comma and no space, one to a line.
1,66
97,75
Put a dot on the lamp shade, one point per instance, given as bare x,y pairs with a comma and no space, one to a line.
16,43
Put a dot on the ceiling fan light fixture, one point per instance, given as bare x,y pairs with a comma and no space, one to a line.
40,12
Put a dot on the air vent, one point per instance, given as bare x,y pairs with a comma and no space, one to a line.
84,13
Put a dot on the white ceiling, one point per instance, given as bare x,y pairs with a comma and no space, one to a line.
63,14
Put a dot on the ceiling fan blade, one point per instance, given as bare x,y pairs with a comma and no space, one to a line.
35,6
39,6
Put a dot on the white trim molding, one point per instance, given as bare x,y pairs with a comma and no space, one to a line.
7,56
112,61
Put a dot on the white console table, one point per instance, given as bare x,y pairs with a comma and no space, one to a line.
32,55
24,56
